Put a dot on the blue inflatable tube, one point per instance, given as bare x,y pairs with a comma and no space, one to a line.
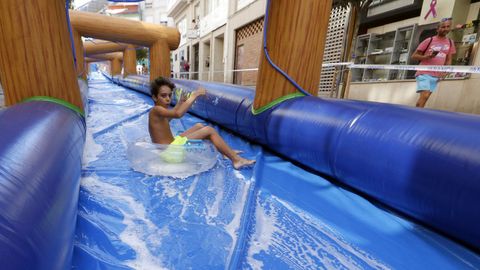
422,163
41,146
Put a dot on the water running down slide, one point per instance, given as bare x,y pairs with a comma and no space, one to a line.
274,216
422,163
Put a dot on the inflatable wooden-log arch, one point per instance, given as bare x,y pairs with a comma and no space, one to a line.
159,39
115,59
96,47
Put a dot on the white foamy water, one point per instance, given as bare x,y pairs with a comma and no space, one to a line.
217,187
265,227
304,247
138,226
91,150
355,252
238,208
215,209
168,186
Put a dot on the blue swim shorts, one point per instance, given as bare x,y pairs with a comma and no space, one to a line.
426,82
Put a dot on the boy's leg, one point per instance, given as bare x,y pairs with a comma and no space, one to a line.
211,134
207,132
195,127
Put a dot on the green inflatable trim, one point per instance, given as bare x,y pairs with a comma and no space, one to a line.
57,101
275,102
80,78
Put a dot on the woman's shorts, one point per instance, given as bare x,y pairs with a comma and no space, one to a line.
426,82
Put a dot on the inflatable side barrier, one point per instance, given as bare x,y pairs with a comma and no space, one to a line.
422,163
41,147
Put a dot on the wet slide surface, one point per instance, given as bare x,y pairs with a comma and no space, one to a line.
272,216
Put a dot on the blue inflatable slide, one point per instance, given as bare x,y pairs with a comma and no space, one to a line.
338,184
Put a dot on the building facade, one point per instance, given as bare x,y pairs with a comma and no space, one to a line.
222,41
202,25
155,11
387,28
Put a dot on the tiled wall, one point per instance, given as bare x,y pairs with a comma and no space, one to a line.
250,38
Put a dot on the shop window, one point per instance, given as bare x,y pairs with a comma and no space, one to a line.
391,48
396,48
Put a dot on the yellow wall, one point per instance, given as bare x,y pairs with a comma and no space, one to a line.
473,12
393,26
451,95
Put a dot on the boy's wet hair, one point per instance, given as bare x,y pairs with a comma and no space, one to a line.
159,82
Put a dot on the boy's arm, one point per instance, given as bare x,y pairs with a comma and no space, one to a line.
181,99
182,108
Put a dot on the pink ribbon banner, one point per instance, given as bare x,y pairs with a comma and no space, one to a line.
432,9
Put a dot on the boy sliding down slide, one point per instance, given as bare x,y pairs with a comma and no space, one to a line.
160,115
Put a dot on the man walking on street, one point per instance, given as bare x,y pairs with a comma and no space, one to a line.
436,50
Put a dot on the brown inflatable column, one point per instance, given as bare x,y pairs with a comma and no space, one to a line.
295,41
80,54
159,60
129,61
116,66
35,50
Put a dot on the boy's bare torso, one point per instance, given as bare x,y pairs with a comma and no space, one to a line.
159,128
160,115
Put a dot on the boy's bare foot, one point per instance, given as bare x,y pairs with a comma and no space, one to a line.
242,162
